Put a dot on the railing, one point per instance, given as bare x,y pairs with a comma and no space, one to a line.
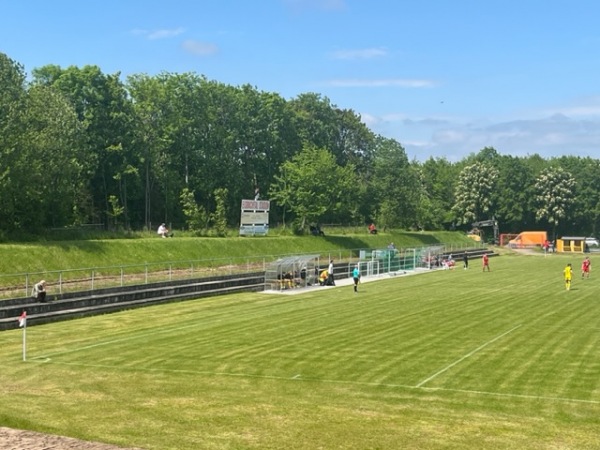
83,279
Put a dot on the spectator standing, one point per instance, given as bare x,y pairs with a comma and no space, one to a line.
330,279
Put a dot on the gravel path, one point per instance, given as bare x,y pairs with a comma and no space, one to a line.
11,439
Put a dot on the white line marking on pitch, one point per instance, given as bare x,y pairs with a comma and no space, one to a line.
465,357
345,382
295,377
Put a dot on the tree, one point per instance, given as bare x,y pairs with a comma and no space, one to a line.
196,216
554,189
588,189
51,174
104,110
395,184
584,217
116,210
513,195
437,177
12,97
473,193
151,138
312,184
219,217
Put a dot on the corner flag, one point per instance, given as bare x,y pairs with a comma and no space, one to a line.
23,319
23,324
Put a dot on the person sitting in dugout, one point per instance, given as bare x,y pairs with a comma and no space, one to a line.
323,277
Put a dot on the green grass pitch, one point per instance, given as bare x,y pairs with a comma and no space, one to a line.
457,359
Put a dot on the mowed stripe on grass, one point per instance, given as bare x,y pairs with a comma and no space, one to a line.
445,344
397,331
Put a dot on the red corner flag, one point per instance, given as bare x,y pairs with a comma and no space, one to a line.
22,319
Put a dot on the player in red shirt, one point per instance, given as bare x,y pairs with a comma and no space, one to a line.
586,265
486,262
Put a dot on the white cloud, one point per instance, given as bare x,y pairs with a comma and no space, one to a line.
550,136
397,82
588,107
158,34
199,48
327,5
427,121
366,53
162,34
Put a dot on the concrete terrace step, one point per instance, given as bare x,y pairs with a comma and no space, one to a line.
110,300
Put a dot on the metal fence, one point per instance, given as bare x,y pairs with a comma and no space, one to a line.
88,279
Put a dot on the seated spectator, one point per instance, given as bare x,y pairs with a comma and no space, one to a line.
449,263
303,273
39,291
315,230
372,229
163,231
288,280
323,277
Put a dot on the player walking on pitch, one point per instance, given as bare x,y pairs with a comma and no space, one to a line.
586,266
568,273
356,277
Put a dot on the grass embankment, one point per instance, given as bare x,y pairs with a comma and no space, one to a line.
60,255
457,359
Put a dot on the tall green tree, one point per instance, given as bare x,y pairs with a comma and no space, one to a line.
311,184
513,195
51,174
12,126
104,109
396,186
588,190
153,139
438,177
584,215
555,192
474,193
315,119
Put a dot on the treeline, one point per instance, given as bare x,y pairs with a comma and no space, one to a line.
78,146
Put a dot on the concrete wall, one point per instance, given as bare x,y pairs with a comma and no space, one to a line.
81,304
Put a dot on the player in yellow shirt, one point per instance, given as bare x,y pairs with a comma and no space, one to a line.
568,272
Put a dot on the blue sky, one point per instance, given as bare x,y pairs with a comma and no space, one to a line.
444,78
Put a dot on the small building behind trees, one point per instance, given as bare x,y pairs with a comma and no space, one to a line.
571,244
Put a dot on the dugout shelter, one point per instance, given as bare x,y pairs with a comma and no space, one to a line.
292,272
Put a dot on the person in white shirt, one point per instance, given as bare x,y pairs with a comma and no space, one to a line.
330,280
39,291
163,231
